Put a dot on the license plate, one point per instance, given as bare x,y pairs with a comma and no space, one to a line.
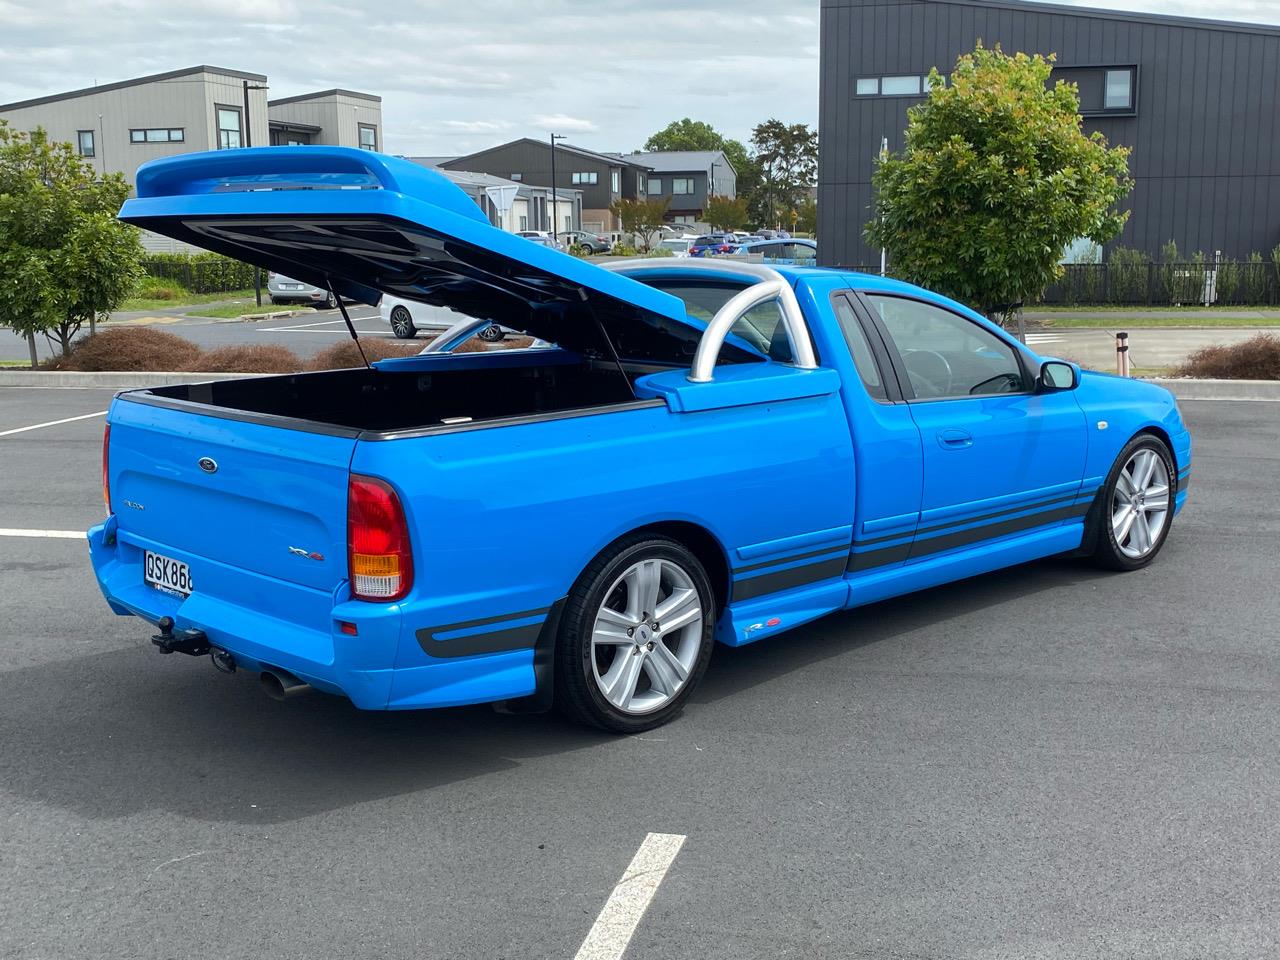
290,286
165,574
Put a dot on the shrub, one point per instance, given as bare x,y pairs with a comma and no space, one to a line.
1127,278
156,288
249,359
347,354
621,249
1227,280
132,348
1255,359
1255,279
202,272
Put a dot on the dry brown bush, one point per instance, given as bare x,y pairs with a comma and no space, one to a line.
1257,358
132,348
249,359
346,354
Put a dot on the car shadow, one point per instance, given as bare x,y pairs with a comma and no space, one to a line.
112,734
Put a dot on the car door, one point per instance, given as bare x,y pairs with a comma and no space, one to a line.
999,458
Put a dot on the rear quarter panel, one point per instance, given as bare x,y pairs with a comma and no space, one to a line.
504,519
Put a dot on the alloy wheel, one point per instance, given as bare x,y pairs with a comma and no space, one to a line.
647,636
1140,503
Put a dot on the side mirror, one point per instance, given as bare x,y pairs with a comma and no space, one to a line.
1056,376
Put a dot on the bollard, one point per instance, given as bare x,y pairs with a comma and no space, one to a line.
1122,354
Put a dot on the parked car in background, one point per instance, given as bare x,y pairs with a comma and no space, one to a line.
542,237
284,289
802,252
407,318
594,243
679,246
712,244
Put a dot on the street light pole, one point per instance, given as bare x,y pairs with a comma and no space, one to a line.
248,142
555,215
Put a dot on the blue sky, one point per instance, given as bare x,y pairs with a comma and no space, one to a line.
460,76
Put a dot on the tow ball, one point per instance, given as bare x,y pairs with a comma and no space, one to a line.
194,643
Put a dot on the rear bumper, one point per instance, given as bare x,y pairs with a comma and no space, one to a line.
272,623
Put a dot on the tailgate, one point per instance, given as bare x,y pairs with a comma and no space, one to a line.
258,498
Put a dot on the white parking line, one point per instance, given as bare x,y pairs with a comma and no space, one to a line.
611,933
51,423
51,534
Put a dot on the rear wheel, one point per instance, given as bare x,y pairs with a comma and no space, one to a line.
1136,509
492,334
635,637
402,324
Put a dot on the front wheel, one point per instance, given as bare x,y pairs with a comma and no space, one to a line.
492,334
1137,505
636,636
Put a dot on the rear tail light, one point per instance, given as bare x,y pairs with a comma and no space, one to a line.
106,476
379,560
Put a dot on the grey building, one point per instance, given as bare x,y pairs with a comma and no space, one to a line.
687,178
602,178
511,205
1196,100
120,126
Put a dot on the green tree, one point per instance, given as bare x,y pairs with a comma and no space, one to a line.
643,218
64,257
807,217
690,134
996,178
726,213
787,156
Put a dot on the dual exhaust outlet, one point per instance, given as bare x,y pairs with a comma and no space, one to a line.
281,685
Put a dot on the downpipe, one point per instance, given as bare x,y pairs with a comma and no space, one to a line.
281,685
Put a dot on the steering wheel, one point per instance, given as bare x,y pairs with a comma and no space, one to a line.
930,369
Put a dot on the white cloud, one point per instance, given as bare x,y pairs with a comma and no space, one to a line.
556,122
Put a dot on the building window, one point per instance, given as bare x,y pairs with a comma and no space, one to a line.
587,177
681,186
615,181
84,141
368,137
684,219
153,135
899,86
1117,90
524,222
230,133
517,177
655,185
867,86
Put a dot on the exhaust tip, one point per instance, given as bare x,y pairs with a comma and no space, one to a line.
279,685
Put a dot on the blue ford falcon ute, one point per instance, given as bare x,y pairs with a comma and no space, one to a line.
708,451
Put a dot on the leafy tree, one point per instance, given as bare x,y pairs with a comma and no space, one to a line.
643,218
787,155
64,257
725,213
690,134
807,217
996,178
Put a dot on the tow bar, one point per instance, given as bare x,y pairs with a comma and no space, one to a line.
194,643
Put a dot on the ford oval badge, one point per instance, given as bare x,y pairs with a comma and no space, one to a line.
208,464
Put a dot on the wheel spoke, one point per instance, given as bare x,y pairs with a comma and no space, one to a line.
662,670
1156,495
620,681
643,581
1141,533
1124,485
1123,527
1148,467
678,610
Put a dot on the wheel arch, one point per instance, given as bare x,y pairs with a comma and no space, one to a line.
1094,518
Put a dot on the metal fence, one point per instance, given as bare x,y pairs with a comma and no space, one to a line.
1144,283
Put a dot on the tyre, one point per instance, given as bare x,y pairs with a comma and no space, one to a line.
492,334
635,636
329,303
1135,511
402,324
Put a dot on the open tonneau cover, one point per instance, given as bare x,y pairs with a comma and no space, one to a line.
370,224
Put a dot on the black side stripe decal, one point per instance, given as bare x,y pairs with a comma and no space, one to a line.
962,538
792,559
994,515
1183,481
494,641
768,583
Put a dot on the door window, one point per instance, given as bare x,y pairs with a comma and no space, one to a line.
945,354
863,359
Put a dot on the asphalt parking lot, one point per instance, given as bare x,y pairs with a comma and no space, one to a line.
1048,762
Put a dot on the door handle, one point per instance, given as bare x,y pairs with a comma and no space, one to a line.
954,439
